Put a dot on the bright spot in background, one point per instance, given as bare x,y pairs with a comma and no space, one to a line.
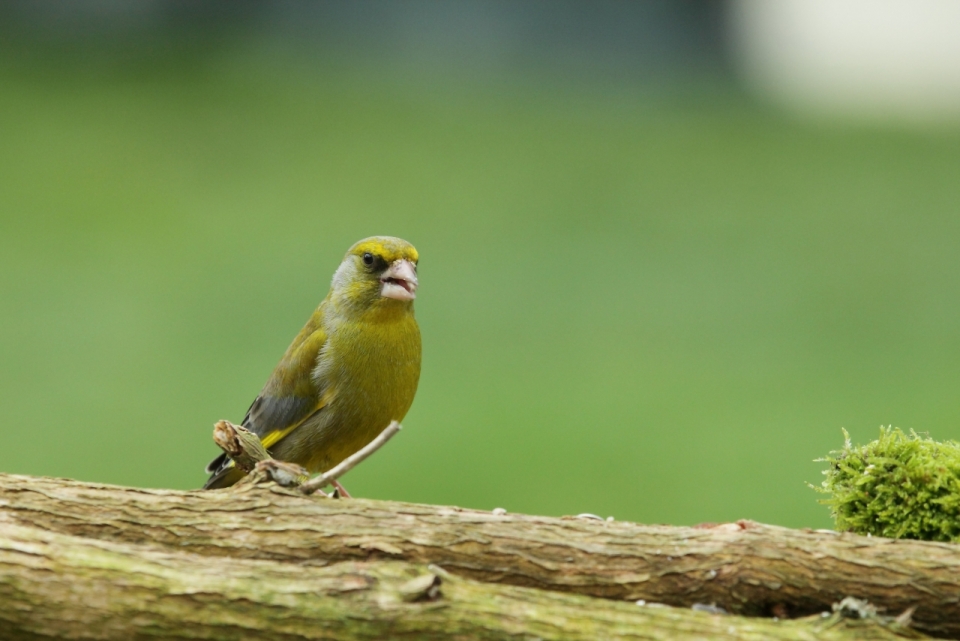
871,59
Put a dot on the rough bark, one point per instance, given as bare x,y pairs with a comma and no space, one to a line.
65,587
746,568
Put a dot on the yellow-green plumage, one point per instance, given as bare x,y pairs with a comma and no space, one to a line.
352,369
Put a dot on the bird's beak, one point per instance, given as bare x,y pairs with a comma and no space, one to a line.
399,281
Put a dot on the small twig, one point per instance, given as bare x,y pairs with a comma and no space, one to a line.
351,461
240,444
280,472
246,450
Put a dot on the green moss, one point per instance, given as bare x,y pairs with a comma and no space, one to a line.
899,486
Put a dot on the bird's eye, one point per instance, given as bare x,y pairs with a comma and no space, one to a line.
368,259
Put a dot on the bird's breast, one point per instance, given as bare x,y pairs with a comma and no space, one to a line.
370,371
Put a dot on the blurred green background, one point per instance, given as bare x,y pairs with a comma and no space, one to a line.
642,295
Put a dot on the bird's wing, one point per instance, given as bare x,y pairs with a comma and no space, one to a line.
289,398
291,394
271,417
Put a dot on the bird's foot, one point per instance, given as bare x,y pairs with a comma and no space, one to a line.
342,491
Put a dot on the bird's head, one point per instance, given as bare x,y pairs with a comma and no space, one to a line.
379,269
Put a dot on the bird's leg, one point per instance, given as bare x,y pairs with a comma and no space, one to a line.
343,491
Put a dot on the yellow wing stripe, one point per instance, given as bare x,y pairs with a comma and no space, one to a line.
273,437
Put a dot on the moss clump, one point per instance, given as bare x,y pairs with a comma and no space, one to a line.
899,486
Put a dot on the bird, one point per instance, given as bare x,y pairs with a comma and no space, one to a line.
352,369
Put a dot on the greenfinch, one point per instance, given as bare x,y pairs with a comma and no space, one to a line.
352,369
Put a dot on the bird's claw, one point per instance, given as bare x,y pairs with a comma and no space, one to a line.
339,490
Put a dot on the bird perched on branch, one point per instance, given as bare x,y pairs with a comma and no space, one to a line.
352,369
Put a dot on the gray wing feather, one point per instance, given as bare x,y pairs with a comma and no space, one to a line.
269,413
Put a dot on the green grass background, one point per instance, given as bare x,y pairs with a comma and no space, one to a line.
653,301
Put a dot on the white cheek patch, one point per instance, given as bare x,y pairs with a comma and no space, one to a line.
343,275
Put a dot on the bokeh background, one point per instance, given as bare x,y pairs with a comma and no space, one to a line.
669,248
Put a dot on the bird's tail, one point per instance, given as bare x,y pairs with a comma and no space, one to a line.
223,473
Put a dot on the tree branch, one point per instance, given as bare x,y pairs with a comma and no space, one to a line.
746,568
66,587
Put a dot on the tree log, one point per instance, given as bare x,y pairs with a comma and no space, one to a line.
746,568
56,586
